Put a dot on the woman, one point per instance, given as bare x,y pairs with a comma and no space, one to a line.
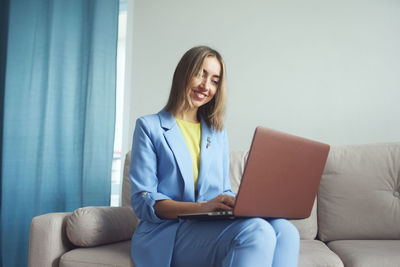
180,163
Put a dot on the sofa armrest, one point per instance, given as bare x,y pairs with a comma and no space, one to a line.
48,240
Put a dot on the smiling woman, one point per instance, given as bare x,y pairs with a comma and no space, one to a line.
175,170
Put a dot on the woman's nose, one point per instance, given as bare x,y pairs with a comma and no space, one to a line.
205,83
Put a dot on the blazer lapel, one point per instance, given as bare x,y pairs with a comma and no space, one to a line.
206,156
177,143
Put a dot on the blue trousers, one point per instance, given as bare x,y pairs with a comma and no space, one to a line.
246,242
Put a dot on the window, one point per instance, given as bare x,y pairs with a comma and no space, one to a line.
116,174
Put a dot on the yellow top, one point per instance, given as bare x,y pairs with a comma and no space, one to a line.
192,134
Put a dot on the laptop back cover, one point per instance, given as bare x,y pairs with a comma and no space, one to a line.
281,177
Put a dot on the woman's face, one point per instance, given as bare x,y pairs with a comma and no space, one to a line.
204,85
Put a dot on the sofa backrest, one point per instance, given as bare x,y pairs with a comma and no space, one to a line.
126,186
307,227
359,195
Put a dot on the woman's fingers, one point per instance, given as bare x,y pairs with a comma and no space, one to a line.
227,200
222,206
230,201
220,203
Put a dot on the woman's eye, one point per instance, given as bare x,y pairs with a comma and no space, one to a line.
215,82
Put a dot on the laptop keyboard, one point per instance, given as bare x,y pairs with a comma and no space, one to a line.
229,212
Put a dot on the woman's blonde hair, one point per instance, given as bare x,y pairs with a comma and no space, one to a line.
179,98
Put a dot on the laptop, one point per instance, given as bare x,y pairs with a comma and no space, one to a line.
280,179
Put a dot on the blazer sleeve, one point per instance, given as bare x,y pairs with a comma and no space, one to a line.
143,174
227,182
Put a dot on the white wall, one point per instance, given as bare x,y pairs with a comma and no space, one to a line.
326,70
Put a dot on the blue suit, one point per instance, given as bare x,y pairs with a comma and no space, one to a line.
161,168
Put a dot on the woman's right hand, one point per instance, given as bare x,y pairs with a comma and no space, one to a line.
170,209
219,203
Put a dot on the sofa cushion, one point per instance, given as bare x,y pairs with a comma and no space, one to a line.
359,193
367,253
307,227
93,226
314,253
237,161
114,255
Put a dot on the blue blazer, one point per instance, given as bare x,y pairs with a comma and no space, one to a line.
161,168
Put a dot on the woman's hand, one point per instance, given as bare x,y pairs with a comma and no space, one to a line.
219,203
170,209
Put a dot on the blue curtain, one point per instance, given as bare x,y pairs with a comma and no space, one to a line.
4,10
59,113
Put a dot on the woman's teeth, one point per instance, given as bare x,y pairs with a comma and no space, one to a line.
199,95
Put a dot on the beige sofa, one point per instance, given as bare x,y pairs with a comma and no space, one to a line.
355,221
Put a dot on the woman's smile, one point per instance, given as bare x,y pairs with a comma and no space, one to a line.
199,95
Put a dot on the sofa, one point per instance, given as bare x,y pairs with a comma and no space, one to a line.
355,221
